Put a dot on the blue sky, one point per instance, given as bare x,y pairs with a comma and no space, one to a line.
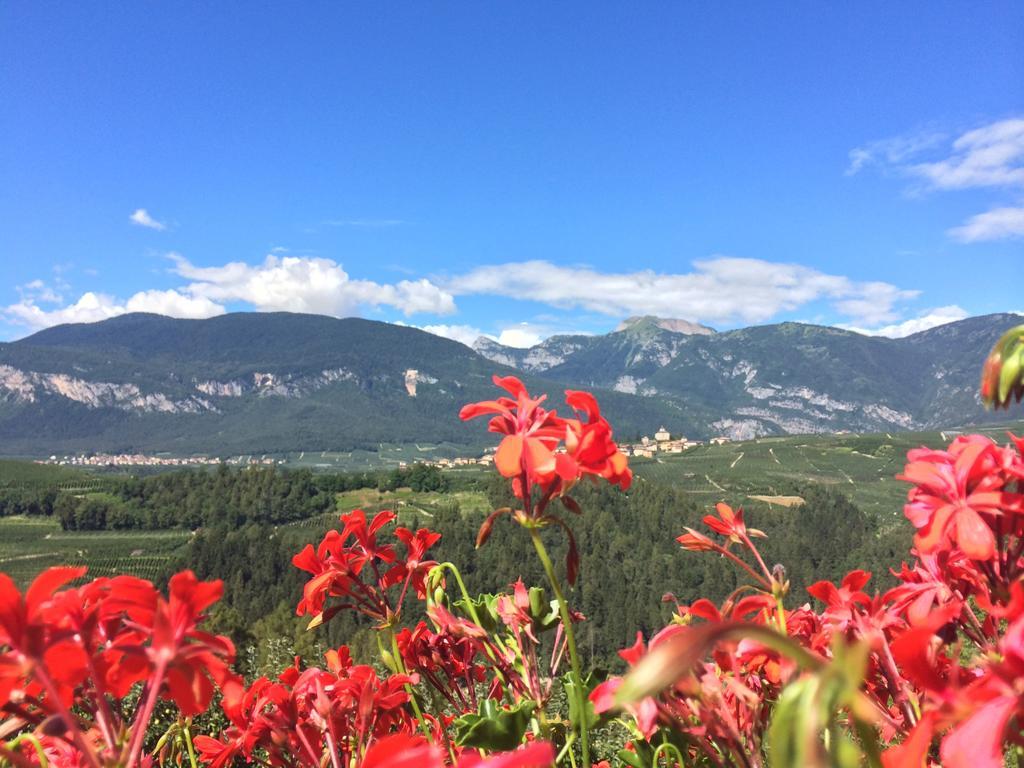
513,169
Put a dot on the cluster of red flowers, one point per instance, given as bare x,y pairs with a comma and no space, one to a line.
342,710
534,435
345,714
353,567
72,654
499,653
943,650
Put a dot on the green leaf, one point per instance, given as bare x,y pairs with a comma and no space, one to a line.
591,717
632,759
494,727
486,606
809,726
791,721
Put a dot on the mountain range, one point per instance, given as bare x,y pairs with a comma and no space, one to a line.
277,382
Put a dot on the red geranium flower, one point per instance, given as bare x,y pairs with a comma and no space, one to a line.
956,495
531,433
353,567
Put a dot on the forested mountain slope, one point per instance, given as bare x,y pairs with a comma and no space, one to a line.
278,382
250,383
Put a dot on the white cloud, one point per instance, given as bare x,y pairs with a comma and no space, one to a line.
719,290
930,319
522,336
306,284
873,302
173,304
143,219
88,309
39,291
289,283
997,224
92,307
892,151
990,156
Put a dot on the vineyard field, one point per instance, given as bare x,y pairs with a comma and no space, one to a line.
30,545
863,466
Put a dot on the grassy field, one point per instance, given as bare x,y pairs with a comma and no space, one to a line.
865,466
407,504
29,545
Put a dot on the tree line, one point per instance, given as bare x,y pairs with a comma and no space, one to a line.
630,562
198,498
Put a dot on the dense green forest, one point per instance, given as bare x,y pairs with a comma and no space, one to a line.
201,499
630,560
248,524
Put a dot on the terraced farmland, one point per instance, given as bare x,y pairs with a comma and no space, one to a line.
29,545
863,465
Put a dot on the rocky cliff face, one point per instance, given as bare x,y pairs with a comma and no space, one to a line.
552,352
264,384
28,387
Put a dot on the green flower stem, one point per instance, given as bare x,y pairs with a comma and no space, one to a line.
187,733
664,749
570,639
567,750
781,612
450,567
16,742
400,666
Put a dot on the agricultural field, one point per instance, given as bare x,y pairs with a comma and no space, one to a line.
29,475
772,470
407,504
30,544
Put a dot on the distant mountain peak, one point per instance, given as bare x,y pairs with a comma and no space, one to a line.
671,324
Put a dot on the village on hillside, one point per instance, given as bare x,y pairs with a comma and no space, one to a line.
647,447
